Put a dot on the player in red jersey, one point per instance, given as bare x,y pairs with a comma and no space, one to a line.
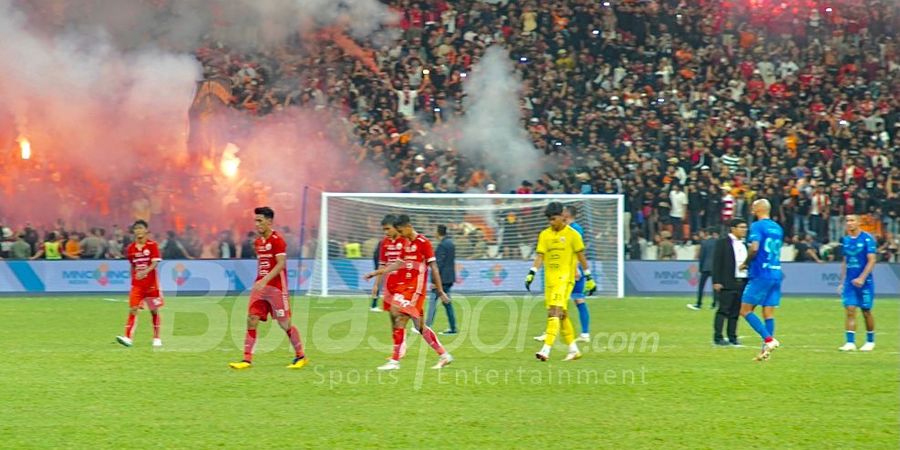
390,250
408,298
269,296
143,254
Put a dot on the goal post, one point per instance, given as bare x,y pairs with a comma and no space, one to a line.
495,236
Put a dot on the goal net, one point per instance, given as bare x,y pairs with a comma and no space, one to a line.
495,236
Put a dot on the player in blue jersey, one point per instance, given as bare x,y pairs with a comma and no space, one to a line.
579,290
857,288
764,285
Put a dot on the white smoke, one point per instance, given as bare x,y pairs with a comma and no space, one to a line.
491,130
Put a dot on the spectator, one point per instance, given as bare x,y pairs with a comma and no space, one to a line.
666,247
679,201
172,248
807,250
248,250
93,247
20,248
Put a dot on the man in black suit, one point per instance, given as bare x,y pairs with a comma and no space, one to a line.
729,281
705,257
446,261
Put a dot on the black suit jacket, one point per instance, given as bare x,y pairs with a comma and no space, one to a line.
724,264
446,260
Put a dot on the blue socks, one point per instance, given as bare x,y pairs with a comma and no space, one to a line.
770,326
758,325
870,336
584,316
851,336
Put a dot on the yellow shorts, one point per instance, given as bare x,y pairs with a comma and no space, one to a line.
558,295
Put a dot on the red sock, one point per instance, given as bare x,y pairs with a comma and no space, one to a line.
399,334
156,323
768,339
129,326
249,343
294,336
432,340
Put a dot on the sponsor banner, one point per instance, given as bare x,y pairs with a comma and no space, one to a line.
682,277
235,275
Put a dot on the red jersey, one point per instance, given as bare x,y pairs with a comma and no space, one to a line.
141,258
418,253
266,251
390,251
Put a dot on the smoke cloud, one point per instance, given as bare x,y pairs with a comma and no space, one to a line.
491,130
103,89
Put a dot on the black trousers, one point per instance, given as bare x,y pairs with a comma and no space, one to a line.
729,311
703,277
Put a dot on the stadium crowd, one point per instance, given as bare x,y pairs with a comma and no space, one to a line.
690,109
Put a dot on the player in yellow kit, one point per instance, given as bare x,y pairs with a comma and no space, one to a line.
559,249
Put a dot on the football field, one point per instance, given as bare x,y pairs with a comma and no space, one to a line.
650,378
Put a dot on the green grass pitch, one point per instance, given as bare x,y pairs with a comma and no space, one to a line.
649,379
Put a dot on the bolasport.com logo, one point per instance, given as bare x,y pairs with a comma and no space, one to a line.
101,276
180,274
691,276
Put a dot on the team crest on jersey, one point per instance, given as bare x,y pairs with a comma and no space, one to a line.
562,239
399,246
412,248
146,252
268,246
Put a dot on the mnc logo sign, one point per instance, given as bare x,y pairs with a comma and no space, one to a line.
673,277
831,278
101,276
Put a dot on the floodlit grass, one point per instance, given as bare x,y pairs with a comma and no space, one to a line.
650,378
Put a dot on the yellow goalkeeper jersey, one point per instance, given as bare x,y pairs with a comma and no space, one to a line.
559,249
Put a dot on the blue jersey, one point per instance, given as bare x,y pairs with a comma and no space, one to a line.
856,254
580,233
767,262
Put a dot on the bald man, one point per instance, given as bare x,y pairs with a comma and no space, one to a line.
764,263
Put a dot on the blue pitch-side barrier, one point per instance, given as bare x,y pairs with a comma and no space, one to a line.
345,276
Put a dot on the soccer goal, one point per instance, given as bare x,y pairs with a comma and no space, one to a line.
495,236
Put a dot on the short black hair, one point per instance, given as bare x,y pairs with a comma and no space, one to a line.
401,220
442,230
736,223
572,209
553,209
265,211
140,222
389,219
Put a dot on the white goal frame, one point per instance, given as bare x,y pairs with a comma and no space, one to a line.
620,214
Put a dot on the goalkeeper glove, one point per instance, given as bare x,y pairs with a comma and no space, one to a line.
529,278
590,286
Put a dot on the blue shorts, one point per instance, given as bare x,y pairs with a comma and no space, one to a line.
578,290
861,297
762,292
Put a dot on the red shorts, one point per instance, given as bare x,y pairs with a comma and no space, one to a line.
407,301
389,290
146,296
270,301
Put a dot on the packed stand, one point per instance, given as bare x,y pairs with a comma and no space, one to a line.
690,109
